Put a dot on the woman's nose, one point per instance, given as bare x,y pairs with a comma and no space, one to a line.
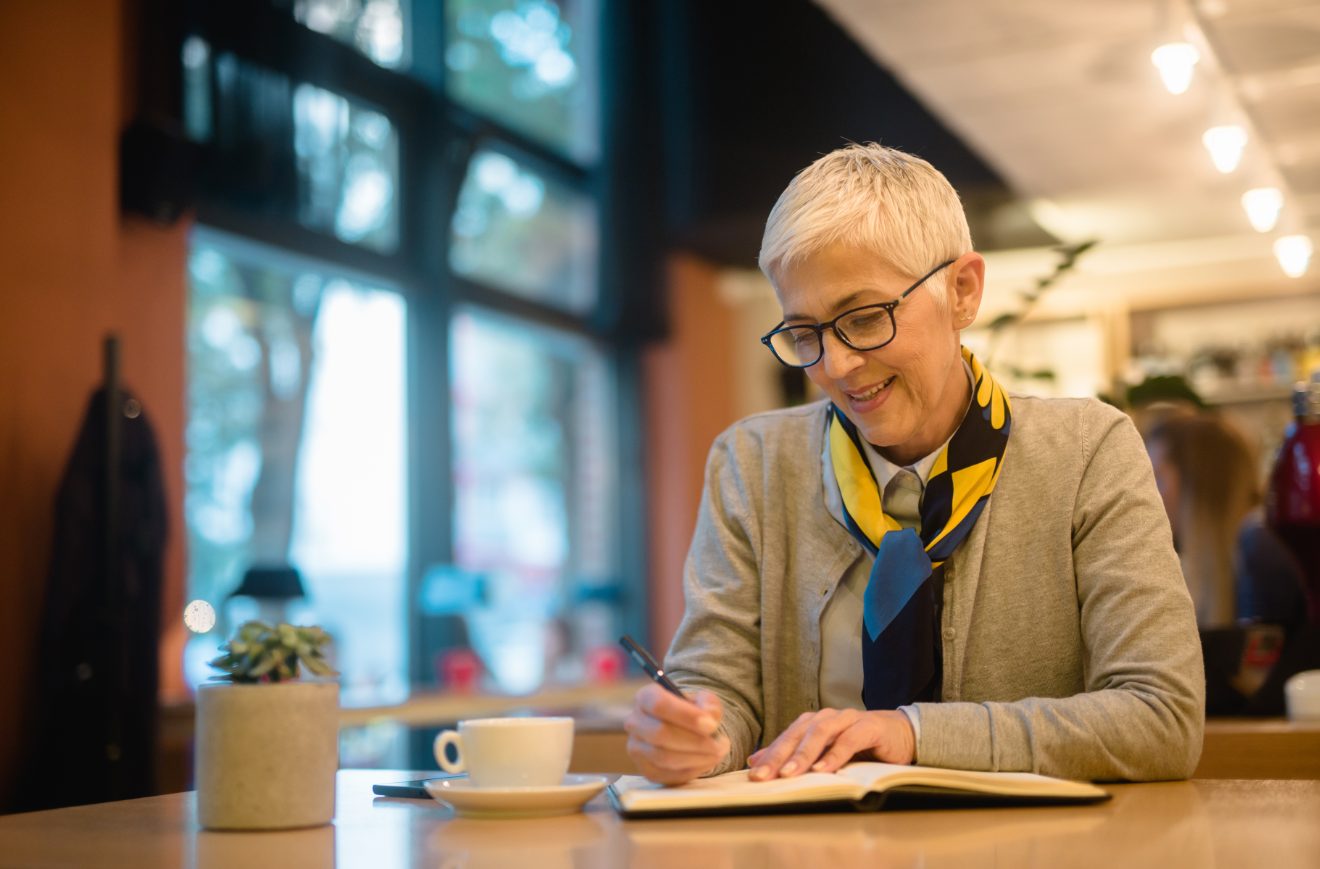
837,357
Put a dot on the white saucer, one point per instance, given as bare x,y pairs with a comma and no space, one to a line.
474,802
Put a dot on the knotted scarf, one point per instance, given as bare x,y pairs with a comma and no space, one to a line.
899,640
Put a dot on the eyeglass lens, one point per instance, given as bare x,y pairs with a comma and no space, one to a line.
863,330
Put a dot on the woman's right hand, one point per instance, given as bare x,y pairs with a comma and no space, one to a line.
673,740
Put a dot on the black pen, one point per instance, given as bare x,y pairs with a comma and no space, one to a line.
647,663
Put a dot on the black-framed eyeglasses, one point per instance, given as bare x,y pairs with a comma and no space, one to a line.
869,327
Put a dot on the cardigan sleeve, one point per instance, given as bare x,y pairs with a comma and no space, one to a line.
1141,715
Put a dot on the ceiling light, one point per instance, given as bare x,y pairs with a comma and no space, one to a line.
1225,145
1293,253
1175,61
1263,205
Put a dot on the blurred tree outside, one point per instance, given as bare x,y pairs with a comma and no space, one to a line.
251,351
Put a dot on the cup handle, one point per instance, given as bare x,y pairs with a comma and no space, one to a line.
443,740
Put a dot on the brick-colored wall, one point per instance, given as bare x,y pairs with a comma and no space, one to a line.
71,270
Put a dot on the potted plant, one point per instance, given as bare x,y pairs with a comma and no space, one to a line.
267,741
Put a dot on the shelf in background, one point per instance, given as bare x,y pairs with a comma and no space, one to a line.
1260,748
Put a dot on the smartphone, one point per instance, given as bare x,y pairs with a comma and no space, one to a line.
413,790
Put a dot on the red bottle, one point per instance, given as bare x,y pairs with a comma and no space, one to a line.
1292,504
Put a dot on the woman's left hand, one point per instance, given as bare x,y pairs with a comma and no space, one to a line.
824,741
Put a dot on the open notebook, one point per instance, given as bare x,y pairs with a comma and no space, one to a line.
858,786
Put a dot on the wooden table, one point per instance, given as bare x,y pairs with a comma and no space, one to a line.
1273,824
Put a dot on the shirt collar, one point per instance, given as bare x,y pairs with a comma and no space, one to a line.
884,470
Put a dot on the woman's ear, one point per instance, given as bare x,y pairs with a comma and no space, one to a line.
968,283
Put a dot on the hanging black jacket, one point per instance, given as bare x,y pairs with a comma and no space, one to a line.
92,722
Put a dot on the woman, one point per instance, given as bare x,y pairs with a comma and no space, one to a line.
1236,569
918,569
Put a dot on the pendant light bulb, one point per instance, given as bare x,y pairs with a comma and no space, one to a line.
1175,61
1225,145
1294,254
1263,205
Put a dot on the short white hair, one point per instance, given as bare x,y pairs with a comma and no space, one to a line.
873,198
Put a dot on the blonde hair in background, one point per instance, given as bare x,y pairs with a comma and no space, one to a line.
1218,486
874,198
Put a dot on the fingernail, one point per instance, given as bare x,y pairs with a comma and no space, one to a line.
818,766
760,772
708,725
788,768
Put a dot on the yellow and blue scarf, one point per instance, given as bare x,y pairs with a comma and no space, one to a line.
900,647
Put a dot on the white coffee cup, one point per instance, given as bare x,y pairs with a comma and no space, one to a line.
1302,694
508,752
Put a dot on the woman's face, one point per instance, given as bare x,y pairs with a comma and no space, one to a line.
908,396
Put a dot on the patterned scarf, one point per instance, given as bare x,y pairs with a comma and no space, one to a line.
899,636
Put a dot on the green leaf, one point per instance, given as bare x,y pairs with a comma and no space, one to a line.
319,666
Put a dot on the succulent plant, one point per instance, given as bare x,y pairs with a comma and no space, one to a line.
260,653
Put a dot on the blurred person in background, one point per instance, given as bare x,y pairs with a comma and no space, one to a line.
1237,570
1245,583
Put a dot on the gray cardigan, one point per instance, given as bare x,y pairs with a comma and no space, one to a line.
1070,645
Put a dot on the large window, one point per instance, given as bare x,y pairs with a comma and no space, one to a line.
402,378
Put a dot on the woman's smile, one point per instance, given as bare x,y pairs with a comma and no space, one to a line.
869,398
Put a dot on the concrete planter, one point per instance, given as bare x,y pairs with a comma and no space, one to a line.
266,754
